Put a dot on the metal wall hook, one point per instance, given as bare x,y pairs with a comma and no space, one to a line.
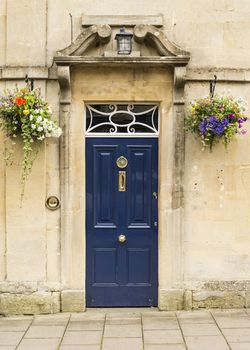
29,82
212,86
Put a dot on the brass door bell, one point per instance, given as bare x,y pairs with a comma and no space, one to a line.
52,203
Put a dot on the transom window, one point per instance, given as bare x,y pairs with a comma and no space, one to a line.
122,119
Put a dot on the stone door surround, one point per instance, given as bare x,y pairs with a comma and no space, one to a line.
170,56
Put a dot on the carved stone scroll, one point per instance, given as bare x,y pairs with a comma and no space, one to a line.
164,46
89,36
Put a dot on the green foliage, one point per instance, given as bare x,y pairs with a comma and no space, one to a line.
217,118
24,113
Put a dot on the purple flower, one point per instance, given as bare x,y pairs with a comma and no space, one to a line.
213,124
231,116
203,126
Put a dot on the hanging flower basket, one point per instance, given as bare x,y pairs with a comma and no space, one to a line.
24,113
217,118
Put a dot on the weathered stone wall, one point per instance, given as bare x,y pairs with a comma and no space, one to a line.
215,256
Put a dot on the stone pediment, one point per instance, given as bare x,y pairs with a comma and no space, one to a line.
144,36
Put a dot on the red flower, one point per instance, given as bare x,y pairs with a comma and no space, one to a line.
19,101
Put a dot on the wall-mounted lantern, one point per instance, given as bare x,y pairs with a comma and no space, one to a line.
124,42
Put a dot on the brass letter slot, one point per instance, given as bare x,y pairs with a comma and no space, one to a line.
122,181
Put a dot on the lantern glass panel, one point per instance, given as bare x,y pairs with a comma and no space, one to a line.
124,45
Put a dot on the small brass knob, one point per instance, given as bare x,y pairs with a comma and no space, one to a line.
52,203
122,238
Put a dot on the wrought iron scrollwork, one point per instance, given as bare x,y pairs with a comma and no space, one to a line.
122,119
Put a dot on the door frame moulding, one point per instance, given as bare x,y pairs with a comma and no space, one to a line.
169,55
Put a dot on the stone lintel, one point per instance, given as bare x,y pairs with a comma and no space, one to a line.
148,60
117,21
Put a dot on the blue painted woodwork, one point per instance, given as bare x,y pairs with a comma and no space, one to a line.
121,274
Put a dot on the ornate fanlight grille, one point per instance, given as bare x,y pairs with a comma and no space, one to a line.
122,119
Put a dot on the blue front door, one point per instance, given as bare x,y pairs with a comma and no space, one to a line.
121,222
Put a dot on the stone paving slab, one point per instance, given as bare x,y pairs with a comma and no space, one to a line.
166,336
236,335
122,344
85,325
200,329
123,331
125,321
128,329
239,346
50,331
14,325
206,343
233,322
194,317
51,320
10,338
80,347
82,338
165,347
39,344
150,323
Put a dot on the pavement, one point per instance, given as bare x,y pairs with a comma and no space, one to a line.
128,329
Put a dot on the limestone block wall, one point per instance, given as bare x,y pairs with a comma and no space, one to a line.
214,246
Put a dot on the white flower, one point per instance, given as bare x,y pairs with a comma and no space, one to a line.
39,119
56,132
41,137
50,126
31,117
45,123
40,128
33,126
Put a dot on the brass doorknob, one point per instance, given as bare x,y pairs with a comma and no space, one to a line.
122,238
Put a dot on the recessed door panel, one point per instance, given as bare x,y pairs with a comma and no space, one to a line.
121,215
139,266
105,262
139,197
105,206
